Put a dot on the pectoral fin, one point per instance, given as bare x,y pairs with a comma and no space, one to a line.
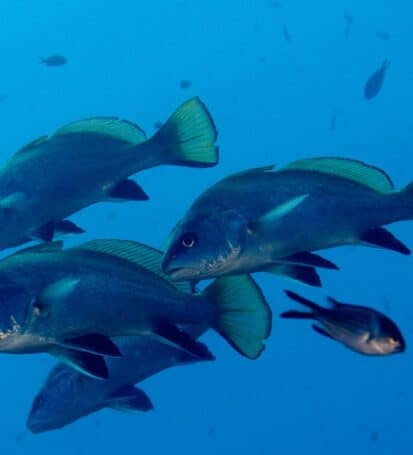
44,233
65,227
382,238
129,399
127,190
174,336
310,259
94,343
55,293
271,217
89,364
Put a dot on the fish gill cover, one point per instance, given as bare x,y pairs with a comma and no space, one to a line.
268,82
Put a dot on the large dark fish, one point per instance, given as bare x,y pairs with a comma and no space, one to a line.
361,329
259,218
68,395
69,302
90,161
375,81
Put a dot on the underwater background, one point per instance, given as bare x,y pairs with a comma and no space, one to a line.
283,80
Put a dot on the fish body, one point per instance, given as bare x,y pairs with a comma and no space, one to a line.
54,60
249,221
68,395
374,83
362,329
90,161
79,297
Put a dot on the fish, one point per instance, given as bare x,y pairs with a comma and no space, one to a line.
256,219
185,83
374,83
90,161
54,60
349,19
68,395
384,36
70,302
287,34
362,329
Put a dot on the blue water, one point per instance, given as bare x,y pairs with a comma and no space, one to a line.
272,102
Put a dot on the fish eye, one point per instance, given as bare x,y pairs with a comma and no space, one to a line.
188,240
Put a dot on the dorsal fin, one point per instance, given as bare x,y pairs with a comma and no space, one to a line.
136,253
357,171
31,145
255,170
110,126
48,247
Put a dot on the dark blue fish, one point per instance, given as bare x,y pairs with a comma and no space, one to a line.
375,82
361,329
54,60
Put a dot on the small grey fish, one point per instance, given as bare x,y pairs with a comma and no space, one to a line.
68,395
70,302
54,60
257,219
361,329
374,83
90,161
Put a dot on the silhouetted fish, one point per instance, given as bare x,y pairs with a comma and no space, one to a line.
185,83
54,60
375,81
349,18
286,34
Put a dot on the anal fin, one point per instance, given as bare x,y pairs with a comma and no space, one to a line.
306,275
382,238
175,336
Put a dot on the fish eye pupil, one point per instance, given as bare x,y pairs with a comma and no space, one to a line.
188,240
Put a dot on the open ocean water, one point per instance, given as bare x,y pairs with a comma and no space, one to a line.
283,80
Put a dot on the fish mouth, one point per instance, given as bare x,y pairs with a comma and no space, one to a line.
180,273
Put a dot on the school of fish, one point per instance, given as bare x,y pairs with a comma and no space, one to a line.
115,312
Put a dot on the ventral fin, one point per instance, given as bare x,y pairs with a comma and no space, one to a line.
322,331
94,343
275,214
86,363
306,275
65,227
382,238
127,190
129,399
174,336
45,232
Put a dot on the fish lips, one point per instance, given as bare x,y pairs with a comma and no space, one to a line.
170,266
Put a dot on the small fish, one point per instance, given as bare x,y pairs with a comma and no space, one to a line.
375,82
185,84
90,161
286,34
361,329
253,220
349,19
333,121
54,60
62,302
384,36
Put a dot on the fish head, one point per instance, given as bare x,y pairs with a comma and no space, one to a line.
56,404
388,339
205,247
15,306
